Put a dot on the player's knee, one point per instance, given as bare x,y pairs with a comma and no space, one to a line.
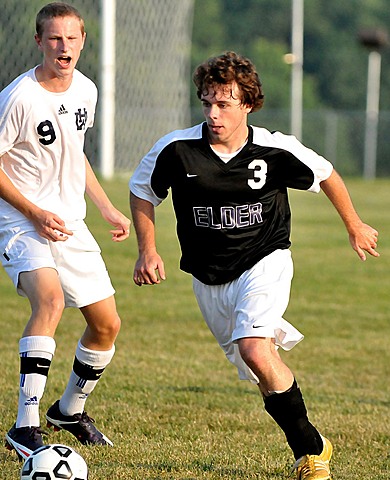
108,329
115,325
51,305
256,352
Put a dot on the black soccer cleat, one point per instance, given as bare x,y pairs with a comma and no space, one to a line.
80,425
24,440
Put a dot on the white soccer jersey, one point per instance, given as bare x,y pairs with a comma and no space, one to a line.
229,215
43,133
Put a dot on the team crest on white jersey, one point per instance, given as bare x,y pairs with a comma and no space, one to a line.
81,118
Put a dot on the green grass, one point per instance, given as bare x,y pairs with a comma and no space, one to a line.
174,406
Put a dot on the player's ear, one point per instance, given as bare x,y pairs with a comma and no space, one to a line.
84,37
38,41
247,108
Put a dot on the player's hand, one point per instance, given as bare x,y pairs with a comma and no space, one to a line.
149,270
51,226
364,239
119,221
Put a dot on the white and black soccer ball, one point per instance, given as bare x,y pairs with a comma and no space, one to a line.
53,462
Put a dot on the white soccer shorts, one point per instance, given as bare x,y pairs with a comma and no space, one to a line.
78,261
250,306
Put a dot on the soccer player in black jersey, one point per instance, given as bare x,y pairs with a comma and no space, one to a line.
229,184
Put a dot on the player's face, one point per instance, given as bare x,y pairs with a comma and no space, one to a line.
61,43
226,117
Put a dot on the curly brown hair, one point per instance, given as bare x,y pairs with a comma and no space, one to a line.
224,70
53,10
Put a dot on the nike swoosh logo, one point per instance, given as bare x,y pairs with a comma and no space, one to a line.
191,176
257,326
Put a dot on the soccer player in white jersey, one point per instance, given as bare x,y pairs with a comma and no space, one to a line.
229,184
45,245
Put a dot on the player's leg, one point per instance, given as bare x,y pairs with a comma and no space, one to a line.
282,397
103,324
262,300
262,357
36,349
87,286
311,450
94,352
43,289
252,307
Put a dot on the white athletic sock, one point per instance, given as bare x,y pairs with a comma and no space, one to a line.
36,354
88,367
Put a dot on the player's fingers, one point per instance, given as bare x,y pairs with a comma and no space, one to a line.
370,244
60,237
161,271
63,230
58,225
53,234
373,252
361,254
146,277
119,235
370,249
138,278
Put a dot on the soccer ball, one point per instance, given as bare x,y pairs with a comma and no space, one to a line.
53,462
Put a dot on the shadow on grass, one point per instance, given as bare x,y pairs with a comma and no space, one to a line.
227,390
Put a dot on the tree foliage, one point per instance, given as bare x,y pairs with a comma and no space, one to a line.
335,63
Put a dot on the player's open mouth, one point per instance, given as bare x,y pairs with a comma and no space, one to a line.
64,61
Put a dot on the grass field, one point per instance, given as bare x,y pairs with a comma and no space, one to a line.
174,406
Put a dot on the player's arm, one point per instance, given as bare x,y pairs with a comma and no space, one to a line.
361,236
149,268
110,214
47,224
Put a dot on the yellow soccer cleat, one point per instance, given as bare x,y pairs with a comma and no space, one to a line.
315,467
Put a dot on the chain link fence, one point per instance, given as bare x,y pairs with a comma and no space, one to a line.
153,43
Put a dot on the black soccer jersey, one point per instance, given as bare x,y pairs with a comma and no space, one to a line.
229,215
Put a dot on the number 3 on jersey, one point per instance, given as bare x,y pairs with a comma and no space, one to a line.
259,168
46,132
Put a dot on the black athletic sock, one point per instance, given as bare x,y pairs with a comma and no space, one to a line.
289,412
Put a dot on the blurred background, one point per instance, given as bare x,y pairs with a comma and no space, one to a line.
158,43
